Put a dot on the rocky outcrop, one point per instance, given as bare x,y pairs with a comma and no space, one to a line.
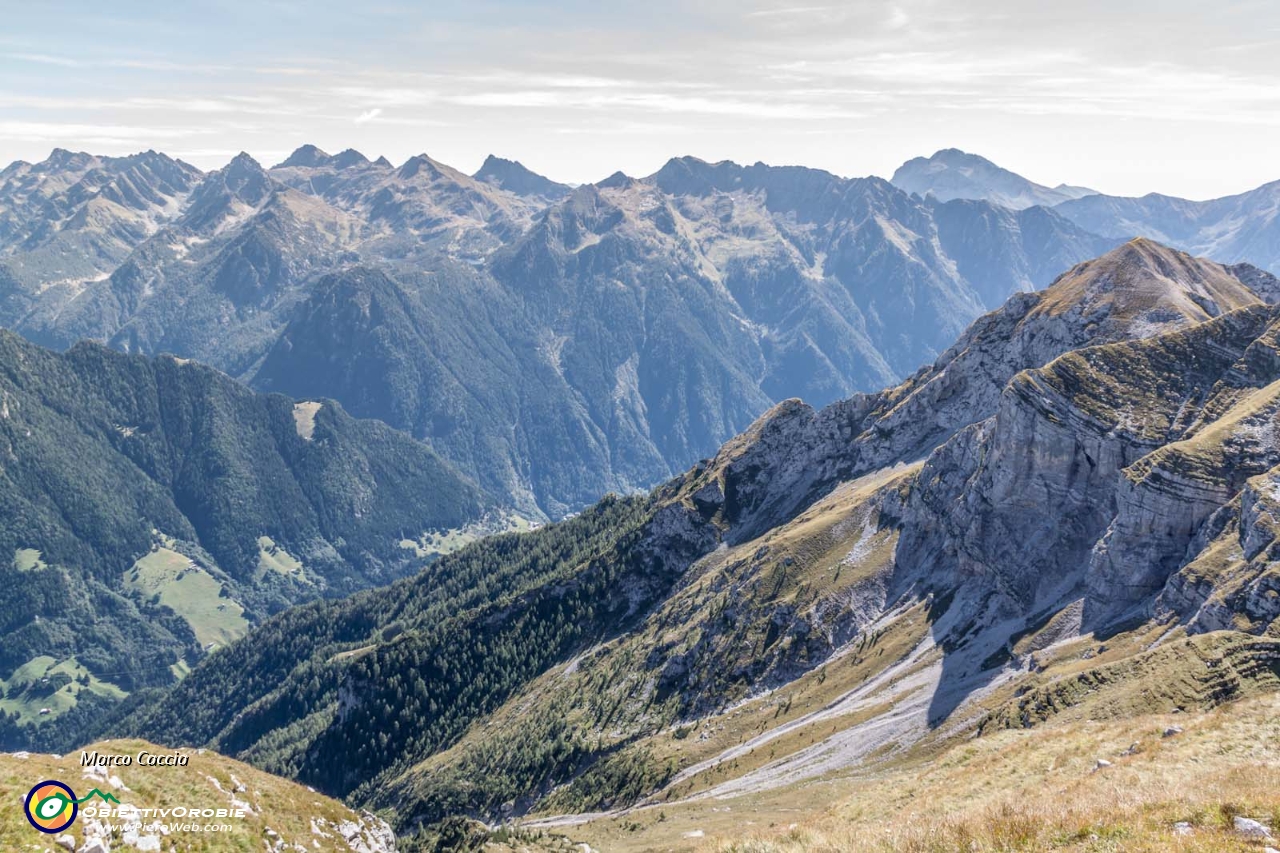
1091,475
1230,580
793,453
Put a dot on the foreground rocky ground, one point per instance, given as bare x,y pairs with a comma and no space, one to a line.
278,815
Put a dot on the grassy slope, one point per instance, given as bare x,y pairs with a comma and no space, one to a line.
609,704
1015,790
29,702
191,592
136,498
1037,790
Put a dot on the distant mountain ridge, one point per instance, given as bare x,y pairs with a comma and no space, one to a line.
643,321
1243,227
1240,228
952,173
657,317
514,176
749,284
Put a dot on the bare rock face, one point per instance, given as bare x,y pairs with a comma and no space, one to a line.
1166,498
1094,473
793,453
983,498
1231,580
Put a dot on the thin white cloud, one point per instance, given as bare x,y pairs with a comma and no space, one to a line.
186,105
55,131
789,10
387,97
165,65
662,102
136,64
45,59
289,71
759,79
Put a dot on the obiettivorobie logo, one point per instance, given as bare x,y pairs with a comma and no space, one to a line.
52,806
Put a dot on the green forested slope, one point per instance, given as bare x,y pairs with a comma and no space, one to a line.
149,507
389,677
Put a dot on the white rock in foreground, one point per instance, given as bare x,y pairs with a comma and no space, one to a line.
1250,828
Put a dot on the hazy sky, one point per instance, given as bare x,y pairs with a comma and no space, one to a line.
1127,97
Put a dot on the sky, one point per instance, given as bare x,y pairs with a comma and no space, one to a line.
1122,96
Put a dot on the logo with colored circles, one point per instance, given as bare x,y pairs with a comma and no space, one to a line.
51,806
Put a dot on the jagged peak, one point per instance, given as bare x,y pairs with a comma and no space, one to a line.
152,154
514,176
691,163
382,162
245,173
348,158
61,158
493,163
244,160
15,166
153,159
416,164
618,180
307,156
691,175
243,179
793,186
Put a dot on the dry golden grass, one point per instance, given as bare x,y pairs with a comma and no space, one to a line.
1037,790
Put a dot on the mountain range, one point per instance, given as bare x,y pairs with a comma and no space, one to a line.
552,343
1068,512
